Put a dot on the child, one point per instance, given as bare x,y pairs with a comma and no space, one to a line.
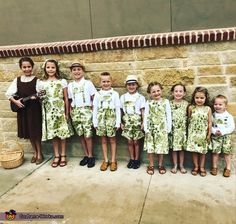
132,105
55,112
29,116
106,118
199,129
178,137
81,93
157,125
222,128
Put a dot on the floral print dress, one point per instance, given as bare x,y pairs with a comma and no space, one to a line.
53,109
198,130
156,138
178,135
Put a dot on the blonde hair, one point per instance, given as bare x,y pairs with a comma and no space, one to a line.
222,97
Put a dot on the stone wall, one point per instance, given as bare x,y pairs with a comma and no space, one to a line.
211,64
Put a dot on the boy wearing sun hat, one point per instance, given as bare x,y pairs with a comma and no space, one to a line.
132,106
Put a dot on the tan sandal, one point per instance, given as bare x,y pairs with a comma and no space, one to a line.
113,166
174,170
182,170
150,170
194,171
202,172
104,166
226,172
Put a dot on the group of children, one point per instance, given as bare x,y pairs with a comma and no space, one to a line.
78,108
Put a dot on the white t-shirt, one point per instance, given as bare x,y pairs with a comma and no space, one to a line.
80,93
137,100
224,122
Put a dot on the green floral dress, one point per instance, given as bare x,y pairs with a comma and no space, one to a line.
156,137
178,135
198,130
53,109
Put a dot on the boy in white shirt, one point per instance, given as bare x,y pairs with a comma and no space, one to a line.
81,93
222,128
107,118
132,105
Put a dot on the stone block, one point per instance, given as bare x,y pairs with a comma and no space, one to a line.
210,70
231,107
160,53
216,90
232,94
8,125
230,70
212,80
5,105
228,57
8,76
7,113
169,76
4,86
102,67
233,81
196,59
161,63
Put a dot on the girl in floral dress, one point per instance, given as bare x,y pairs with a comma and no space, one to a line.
55,112
178,134
199,129
157,125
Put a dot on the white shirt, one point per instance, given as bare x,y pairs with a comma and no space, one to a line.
224,122
12,89
81,92
137,100
168,116
113,104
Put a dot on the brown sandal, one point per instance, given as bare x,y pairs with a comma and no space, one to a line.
56,161
150,170
214,171
162,170
64,162
202,172
194,171
226,172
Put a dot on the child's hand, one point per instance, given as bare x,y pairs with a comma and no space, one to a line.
19,103
142,126
122,126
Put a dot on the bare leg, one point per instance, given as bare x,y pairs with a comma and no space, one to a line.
174,157
136,149
202,162
113,148
195,164
131,148
181,162
89,146
151,159
215,158
104,148
83,143
34,148
56,159
227,161
63,149
161,167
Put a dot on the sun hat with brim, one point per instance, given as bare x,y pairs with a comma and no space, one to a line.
76,64
131,79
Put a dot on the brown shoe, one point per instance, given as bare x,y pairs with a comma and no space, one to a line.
113,166
39,160
226,172
33,160
214,171
104,166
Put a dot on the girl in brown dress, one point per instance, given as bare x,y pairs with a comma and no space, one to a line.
29,115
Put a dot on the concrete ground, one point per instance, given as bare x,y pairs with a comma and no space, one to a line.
126,196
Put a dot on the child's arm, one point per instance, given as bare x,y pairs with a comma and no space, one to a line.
65,94
168,117
122,114
145,119
209,125
118,112
142,118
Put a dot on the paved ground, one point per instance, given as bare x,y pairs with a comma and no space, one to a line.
126,196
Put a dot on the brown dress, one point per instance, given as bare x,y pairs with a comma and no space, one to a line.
29,119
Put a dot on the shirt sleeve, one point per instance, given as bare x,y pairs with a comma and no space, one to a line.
142,102
230,126
122,102
95,109
70,95
168,116
12,89
92,89
145,119
64,83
